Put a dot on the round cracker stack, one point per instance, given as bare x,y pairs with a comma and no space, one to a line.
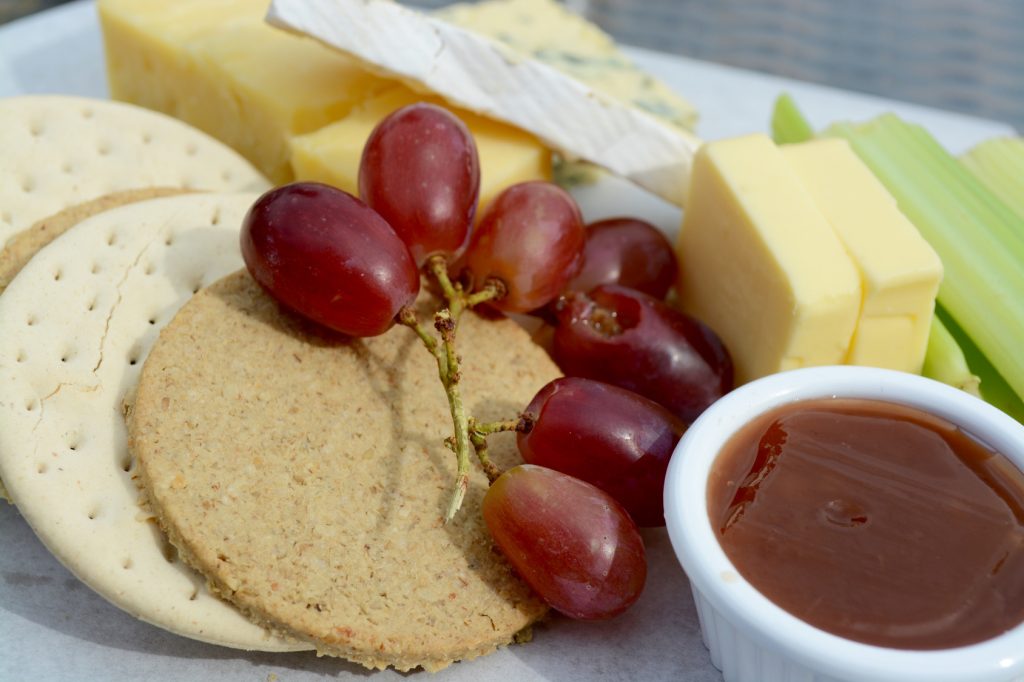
78,322
305,475
60,151
23,245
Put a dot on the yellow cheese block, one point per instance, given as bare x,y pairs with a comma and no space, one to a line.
760,263
217,65
331,154
900,272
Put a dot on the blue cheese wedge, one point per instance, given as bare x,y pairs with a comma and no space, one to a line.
480,74
548,32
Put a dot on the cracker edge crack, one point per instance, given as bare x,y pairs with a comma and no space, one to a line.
97,385
120,294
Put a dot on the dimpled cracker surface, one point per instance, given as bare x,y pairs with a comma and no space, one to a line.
57,151
22,246
305,475
77,323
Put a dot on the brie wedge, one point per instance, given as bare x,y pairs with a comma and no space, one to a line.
477,73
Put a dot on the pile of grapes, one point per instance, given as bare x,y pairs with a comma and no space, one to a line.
596,442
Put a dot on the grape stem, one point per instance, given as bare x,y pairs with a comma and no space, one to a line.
457,299
480,445
453,293
478,436
468,433
522,425
445,326
407,316
493,289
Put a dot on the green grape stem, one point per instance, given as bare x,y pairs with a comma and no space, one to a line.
522,425
480,444
445,326
467,432
453,294
478,436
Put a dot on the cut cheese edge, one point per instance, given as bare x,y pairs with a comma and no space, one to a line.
477,73
761,265
900,272
332,154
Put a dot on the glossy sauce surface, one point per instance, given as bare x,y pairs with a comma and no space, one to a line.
876,522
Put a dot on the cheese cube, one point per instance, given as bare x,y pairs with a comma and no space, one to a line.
900,272
331,154
761,265
217,65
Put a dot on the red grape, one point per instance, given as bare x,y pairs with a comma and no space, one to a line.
629,339
605,435
571,542
531,239
329,257
421,172
629,252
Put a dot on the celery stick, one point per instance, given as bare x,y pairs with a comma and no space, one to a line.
975,195
969,195
999,164
981,249
944,360
788,123
994,388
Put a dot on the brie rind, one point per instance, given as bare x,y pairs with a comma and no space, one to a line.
477,73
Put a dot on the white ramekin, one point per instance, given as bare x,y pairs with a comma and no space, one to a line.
752,639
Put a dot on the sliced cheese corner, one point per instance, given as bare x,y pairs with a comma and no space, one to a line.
761,265
331,154
900,272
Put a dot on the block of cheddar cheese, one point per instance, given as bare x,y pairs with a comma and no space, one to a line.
331,154
217,65
900,272
760,263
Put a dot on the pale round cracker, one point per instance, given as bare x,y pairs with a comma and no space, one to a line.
306,475
58,151
22,246
78,321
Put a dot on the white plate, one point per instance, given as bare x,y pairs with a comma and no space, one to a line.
54,628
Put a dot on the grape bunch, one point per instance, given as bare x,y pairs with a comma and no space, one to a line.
596,453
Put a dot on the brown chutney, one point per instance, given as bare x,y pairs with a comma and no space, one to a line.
874,521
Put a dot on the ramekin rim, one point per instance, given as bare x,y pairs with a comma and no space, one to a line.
718,581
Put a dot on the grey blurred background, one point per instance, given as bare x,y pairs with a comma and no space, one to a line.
961,55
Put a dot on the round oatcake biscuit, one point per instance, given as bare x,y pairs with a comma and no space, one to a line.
305,475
